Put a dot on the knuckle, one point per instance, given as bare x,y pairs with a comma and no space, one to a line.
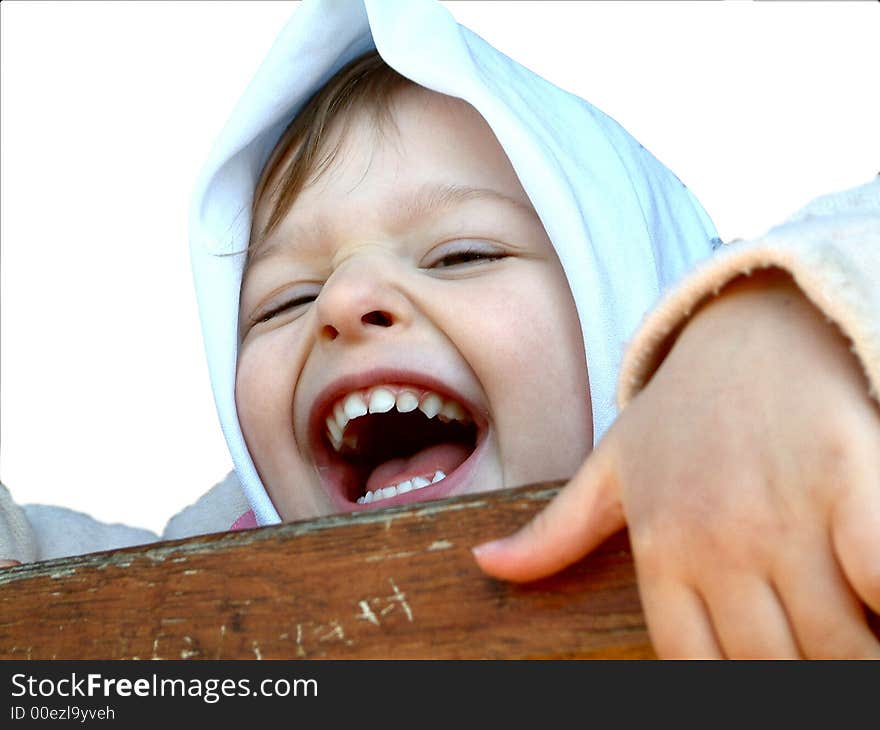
846,453
650,548
837,457
667,645
867,578
834,643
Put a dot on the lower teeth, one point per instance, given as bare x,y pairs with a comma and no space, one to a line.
402,488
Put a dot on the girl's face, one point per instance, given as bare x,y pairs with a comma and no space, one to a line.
407,332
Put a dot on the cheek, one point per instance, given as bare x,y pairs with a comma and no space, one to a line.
266,376
525,346
263,390
526,332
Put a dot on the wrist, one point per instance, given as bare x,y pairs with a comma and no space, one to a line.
764,321
767,302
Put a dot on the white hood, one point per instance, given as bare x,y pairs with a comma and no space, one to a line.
624,227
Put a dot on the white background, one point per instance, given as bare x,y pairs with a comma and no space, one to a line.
108,111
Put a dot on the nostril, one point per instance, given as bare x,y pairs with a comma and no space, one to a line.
329,332
381,319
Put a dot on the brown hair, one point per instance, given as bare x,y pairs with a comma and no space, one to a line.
366,83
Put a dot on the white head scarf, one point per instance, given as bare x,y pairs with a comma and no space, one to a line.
623,226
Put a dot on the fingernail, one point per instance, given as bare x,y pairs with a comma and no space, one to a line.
486,548
479,550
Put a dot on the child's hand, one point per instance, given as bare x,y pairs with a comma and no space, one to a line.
748,472
9,563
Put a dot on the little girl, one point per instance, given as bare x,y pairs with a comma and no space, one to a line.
437,231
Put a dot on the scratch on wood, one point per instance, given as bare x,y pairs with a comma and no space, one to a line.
300,652
440,507
401,596
155,649
187,653
366,613
439,545
222,637
63,573
393,556
191,572
256,648
336,631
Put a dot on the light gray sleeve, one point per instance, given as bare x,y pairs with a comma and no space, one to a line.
59,532
215,511
35,532
17,540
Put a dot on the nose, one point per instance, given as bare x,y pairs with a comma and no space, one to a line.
361,299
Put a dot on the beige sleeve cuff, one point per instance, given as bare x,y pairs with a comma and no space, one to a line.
832,250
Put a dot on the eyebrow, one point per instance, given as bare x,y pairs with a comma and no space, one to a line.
422,203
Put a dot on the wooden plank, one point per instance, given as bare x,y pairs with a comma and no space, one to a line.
396,583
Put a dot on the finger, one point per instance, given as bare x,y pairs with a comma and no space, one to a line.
827,617
678,621
750,619
584,513
855,532
9,563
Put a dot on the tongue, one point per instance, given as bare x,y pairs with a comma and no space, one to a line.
444,457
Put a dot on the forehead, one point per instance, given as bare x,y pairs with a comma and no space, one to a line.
437,152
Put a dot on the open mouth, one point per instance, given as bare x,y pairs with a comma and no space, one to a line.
392,443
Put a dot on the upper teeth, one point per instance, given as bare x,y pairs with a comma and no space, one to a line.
381,399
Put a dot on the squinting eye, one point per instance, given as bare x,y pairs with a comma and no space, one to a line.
456,258
275,311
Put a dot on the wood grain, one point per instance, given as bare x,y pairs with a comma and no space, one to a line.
396,583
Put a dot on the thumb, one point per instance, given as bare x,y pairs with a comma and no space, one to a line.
584,513
856,535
